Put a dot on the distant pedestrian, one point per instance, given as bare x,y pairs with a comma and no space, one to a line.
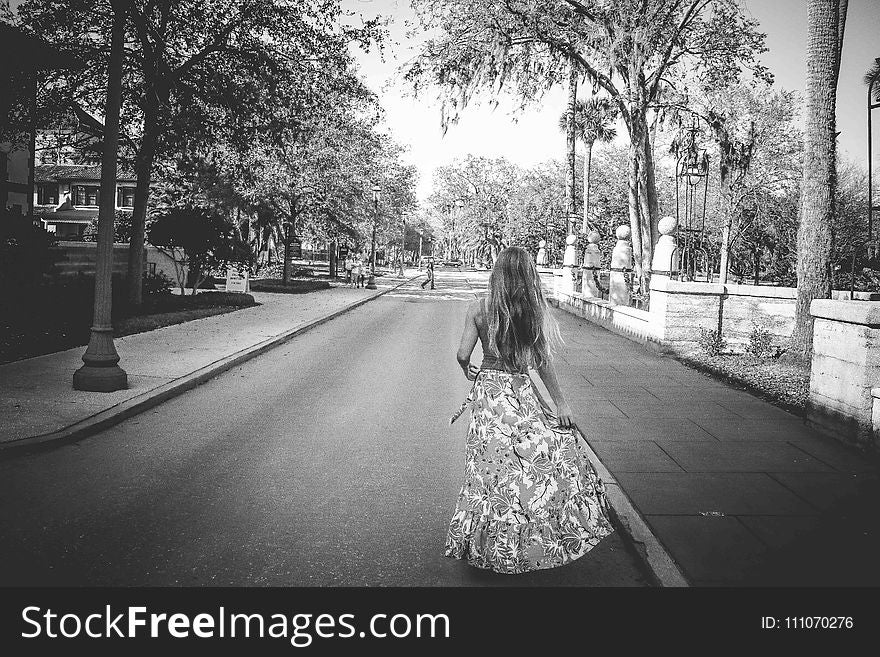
349,265
362,271
430,278
531,498
357,266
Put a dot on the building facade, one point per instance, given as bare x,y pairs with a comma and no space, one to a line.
66,197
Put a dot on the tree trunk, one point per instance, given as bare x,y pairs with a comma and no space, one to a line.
588,167
819,180
571,149
635,222
143,168
649,209
727,226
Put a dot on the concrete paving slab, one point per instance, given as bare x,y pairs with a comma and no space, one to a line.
710,550
685,493
639,429
633,456
778,532
825,490
752,428
586,410
704,456
675,409
838,456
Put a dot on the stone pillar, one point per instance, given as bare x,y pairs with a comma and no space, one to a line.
621,264
569,264
665,260
541,258
845,368
590,266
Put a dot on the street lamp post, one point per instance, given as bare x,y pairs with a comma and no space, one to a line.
371,282
458,204
402,246
101,371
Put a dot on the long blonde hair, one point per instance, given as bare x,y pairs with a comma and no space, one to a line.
520,326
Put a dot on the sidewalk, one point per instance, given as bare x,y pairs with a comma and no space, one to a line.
38,403
738,491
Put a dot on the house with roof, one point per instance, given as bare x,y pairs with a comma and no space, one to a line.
25,58
66,196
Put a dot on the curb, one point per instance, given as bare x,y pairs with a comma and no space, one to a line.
136,405
633,527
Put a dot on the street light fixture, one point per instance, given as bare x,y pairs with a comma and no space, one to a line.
458,204
371,282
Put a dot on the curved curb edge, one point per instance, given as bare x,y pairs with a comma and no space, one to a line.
146,400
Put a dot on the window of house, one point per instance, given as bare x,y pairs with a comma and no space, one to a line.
125,197
47,194
86,194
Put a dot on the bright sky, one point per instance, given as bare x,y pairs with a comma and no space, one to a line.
534,136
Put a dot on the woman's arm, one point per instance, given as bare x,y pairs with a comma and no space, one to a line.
468,341
563,410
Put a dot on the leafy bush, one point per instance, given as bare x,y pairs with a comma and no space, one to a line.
711,342
760,343
121,228
208,240
157,283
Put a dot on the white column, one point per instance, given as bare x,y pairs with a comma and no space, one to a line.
621,264
569,263
665,260
592,262
541,258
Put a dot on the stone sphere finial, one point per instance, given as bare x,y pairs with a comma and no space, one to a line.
623,232
594,237
571,239
542,244
667,225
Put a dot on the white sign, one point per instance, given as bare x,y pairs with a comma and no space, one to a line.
236,281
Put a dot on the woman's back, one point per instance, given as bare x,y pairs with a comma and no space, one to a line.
491,359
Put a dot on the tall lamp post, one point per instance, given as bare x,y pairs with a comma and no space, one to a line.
402,246
101,371
459,204
371,282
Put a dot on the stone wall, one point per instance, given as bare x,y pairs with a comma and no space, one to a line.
78,258
845,369
630,322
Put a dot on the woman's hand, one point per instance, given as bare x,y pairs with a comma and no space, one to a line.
471,371
564,416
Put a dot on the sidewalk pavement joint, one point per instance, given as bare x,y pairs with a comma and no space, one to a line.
151,398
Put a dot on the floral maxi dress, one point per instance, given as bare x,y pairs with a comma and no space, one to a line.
531,498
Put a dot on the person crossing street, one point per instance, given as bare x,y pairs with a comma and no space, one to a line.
430,278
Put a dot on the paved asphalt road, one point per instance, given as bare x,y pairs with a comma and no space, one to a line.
328,461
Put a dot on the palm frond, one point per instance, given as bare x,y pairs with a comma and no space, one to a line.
874,74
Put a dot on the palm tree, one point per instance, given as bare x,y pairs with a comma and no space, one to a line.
594,122
570,130
825,24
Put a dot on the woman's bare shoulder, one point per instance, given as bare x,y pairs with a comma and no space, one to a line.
475,308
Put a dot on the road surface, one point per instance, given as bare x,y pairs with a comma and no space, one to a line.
327,461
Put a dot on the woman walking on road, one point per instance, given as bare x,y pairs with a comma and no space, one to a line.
531,498
430,278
